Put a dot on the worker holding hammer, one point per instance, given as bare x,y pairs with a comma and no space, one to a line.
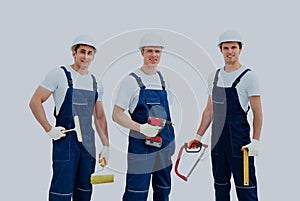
151,143
230,89
76,93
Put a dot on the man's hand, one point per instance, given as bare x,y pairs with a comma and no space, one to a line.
253,147
56,132
149,130
103,156
193,143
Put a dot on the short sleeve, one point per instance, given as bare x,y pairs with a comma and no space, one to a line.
253,88
126,94
100,90
210,81
51,80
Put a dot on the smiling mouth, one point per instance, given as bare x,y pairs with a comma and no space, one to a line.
153,60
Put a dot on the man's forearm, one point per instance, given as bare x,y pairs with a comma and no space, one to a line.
122,119
39,113
101,126
257,125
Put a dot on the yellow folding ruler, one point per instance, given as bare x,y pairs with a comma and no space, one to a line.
246,167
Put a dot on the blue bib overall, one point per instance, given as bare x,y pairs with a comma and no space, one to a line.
73,161
146,161
230,131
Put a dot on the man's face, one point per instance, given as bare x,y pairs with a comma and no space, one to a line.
83,56
231,52
151,55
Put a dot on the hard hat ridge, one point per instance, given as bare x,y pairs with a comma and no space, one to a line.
151,39
230,36
84,40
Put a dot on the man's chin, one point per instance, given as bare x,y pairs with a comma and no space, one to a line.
152,65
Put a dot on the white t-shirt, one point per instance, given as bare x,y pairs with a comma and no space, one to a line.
128,94
248,85
56,82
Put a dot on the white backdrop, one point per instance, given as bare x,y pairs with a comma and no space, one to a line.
35,38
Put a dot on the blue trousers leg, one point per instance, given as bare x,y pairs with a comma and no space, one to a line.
226,165
83,188
137,186
161,183
222,175
245,193
72,167
65,159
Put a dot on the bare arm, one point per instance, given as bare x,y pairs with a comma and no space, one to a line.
255,104
122,119
207,117
36,105
101,123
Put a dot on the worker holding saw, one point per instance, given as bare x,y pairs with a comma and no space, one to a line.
78,97
151,136
231,88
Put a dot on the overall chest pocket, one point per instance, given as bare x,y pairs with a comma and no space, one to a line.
79,100
152,100
219,96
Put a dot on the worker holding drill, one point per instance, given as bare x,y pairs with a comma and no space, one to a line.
230,89
76,94
151,141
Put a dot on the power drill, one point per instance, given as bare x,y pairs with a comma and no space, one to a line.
157,140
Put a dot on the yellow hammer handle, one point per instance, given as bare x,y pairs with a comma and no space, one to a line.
246,167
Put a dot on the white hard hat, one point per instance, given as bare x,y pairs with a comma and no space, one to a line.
84,40
151,39
230,36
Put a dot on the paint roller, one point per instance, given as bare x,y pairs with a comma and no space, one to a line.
77,128
98,178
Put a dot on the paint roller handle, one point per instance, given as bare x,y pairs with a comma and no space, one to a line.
103,156
65,131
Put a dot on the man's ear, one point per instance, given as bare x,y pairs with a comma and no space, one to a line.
221,49
142,52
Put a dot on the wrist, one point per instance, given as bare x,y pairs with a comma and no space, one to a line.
48,129
198,137
255,141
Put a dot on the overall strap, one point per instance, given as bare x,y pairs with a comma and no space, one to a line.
95,87
238,79
216,77
163,83
68,74
138,79
94,83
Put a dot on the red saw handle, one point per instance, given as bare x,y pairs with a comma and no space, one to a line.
185,147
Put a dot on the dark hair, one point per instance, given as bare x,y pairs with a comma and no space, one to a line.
239,43
75,47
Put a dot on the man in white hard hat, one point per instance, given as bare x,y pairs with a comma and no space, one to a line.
151,145
230,90
76,94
